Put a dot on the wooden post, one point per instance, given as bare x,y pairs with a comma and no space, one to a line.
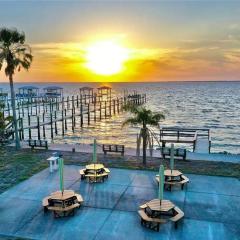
19,129
72,100
67,102
51,124
43,106
29,128
57,105
88,113
105,106
74,117
22,130
100,110
114,106
118,105
39,106
72,120
81,99
81,113
36,108
77,101
50,106
44,133
65,118
8,106
22,109
18,111
63,103
38,128
31,105
55,122
63,122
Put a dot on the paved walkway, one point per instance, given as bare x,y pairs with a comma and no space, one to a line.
211,206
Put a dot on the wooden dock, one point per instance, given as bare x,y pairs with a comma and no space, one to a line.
54,116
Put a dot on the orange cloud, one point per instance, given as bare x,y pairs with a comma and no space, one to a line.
211,60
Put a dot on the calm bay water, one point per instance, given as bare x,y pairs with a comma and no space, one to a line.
214,105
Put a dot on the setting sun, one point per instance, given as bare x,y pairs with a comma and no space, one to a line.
106,57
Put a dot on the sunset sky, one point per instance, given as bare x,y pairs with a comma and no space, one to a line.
160,40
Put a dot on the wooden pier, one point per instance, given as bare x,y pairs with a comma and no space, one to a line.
48,117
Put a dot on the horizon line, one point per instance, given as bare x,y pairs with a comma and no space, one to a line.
165,81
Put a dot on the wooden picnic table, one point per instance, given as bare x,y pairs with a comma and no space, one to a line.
97,166
165,205
172,178
172,173
95,172
66,194
154,213
62,203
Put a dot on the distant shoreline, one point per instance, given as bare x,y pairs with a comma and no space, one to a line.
147,82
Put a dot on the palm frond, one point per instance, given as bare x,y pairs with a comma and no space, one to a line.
129,107
130,121
15,52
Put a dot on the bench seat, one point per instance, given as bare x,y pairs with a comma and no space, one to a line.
64,209
143,206
179,215
106,170
152,223
82,173
181,183
97,177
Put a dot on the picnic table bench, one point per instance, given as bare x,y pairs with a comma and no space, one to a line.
183,180
38,143
166,209
173,178
113,148
152,223
62,205
94,173
179,215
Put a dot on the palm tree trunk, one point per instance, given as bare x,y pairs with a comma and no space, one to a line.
14,113
144,136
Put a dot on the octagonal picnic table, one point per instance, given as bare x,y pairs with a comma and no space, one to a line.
172,178
172,173
156,212
66,194
95,172
97,166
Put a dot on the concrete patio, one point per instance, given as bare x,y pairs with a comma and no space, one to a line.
211,206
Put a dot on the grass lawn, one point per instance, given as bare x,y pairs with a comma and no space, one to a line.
16,166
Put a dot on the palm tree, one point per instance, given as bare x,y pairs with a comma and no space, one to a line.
143,116
14,55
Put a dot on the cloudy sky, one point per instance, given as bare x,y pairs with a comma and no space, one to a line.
167,40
